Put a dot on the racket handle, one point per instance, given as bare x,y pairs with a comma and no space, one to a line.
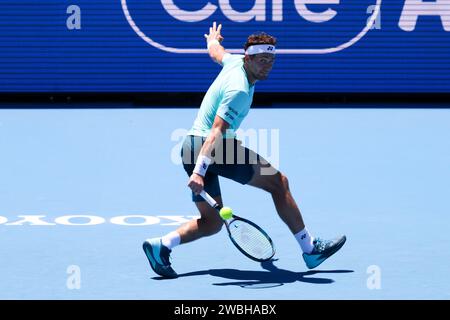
210,200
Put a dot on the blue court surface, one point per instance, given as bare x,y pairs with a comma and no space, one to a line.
83,188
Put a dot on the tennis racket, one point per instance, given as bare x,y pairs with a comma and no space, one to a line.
248,237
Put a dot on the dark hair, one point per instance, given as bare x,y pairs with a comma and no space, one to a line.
260,38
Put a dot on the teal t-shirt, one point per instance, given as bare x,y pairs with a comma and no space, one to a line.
229,97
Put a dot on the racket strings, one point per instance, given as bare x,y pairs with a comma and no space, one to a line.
251,240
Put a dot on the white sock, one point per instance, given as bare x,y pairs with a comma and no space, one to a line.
171,239
305,240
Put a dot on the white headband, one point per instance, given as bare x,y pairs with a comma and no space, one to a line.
260,48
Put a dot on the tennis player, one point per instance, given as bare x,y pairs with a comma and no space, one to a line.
211,150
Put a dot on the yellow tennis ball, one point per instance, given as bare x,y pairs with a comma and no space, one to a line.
226,213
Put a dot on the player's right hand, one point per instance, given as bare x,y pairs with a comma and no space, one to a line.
196,183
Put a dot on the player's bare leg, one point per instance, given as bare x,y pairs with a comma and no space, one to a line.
315,251
271,180
208,224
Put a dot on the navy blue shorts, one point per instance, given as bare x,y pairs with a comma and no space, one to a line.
230,160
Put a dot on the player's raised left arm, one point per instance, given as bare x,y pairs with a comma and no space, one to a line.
214,39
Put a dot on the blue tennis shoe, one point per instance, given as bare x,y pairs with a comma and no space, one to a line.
323,249
159,257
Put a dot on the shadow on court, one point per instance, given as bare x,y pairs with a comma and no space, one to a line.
272,277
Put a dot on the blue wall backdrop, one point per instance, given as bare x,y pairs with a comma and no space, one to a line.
158,45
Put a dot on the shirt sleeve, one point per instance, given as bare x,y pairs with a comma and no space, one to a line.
232,105
227,57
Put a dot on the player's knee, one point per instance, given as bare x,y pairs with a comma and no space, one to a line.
213,226
284,182
280,184
217,226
